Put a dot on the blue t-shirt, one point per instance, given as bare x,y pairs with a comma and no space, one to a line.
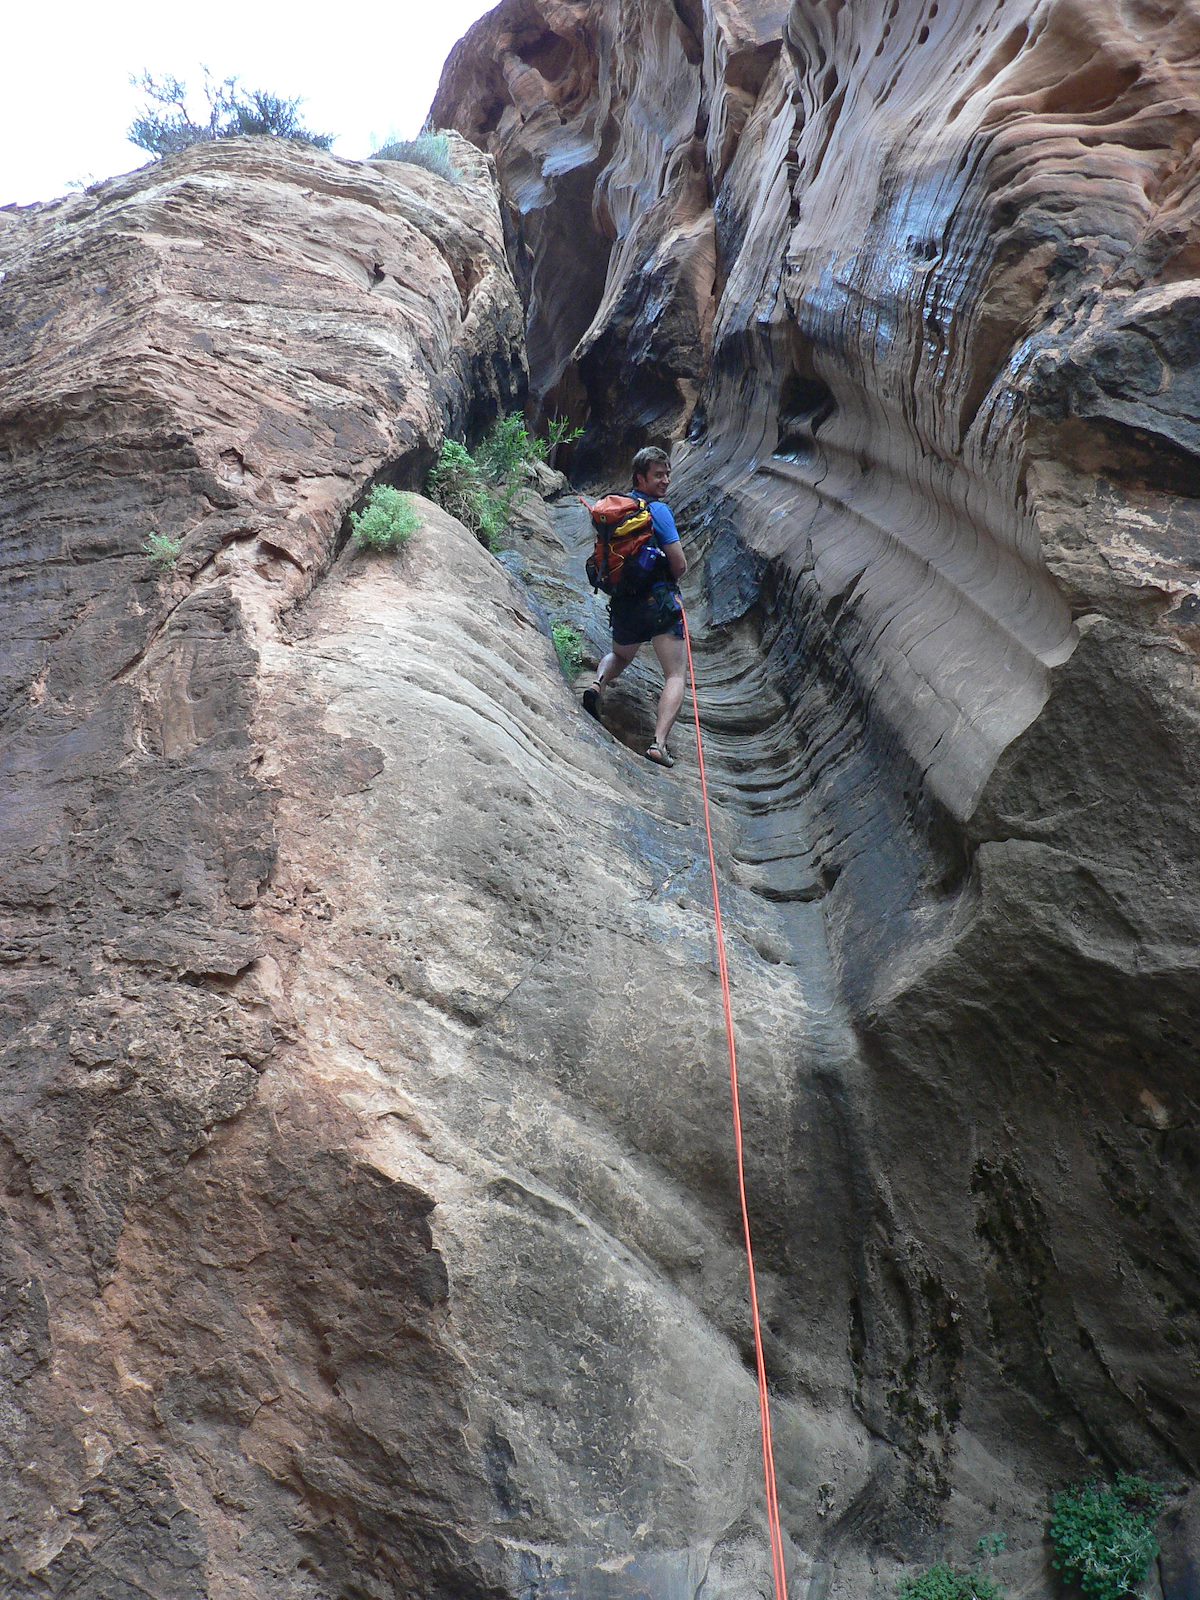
665,531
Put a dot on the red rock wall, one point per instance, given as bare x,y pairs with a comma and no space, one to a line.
214,1309
368,1218
911,288
368,1222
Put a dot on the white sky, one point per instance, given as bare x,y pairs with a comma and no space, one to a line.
366,75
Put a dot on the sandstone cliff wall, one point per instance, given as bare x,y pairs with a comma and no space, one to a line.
911,286
226,350
368,1218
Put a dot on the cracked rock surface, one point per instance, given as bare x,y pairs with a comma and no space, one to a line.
201,1279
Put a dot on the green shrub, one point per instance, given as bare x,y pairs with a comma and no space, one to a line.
559,431
507,448
493,521
428,150
388,521
1104,1537
480,489
943,1582
166,126
163,550
568,646
457,485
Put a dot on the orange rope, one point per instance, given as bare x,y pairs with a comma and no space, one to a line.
777,1560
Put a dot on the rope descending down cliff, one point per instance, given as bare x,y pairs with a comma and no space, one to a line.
732,807
610,540
778,1568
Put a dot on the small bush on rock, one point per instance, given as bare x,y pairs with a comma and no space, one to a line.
428,150
568,646
943,1582
480,489
1104,1537
457,485
388,521
165,126
163,550
507,448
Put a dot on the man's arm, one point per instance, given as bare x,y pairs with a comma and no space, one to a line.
668,538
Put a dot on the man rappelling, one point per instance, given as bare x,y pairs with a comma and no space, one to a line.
638,562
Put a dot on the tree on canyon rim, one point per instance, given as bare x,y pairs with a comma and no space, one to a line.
165,127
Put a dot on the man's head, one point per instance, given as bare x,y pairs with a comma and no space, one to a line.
651,472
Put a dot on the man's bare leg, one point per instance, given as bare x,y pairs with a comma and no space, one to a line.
672,658
613,665
615,662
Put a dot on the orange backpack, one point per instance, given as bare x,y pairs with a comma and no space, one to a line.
625,559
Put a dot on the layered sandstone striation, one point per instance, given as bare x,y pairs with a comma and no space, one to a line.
368,1214
369,1219
227,351
912,285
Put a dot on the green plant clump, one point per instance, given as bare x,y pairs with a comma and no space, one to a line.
569,648
458,485
388,521
944,1582
166,126
1104,1537
164,550
428,150
507,448
480,489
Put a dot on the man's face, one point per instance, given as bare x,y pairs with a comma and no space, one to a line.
653,484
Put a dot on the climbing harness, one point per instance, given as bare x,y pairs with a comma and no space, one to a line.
777,1558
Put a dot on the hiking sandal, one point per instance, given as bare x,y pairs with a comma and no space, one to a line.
660,755
591,700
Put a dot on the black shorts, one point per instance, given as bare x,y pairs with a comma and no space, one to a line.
643,617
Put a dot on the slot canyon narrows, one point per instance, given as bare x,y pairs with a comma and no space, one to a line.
369,1223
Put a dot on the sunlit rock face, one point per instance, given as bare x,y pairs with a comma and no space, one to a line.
913,287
